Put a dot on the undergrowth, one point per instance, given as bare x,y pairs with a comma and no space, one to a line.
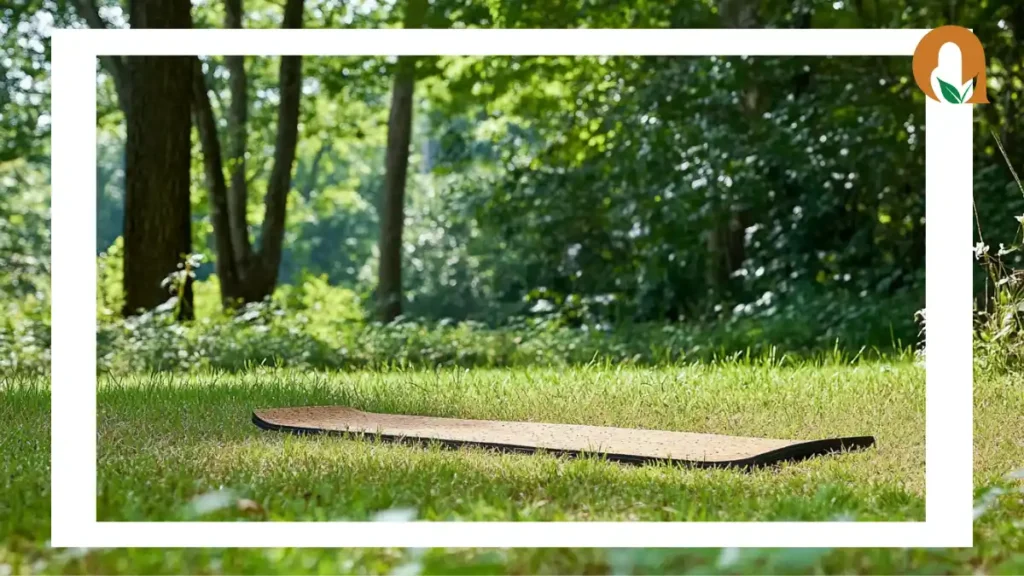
318,325
271,334
999,308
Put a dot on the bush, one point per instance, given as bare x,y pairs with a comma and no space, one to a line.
24,268
318,326
999,336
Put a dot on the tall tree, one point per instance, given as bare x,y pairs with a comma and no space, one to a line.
248,273
154,94
392,209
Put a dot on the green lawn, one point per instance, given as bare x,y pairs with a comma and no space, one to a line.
166,440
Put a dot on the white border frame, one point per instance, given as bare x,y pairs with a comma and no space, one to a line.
948,150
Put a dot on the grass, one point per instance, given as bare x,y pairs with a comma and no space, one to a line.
168,440
24,463
157,430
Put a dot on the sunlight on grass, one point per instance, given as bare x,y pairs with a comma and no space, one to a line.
165,440
184,435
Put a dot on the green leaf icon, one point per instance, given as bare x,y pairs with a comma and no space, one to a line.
949,92
973,83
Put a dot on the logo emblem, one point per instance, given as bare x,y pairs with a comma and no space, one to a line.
949,66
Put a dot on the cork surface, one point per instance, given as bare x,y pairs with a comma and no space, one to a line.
621,444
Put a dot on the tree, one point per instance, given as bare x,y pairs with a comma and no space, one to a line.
157,224
392,210
247,273
154,94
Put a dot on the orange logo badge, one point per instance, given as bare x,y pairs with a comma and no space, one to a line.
949,66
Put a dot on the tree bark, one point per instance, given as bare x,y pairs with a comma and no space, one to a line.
389,281
392,210
247,274
157,221
206,125
237,139
276,200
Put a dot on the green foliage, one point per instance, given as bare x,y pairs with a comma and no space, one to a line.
323,326
570,218
25,27
999,339
592,184
24,268
109,276
522,195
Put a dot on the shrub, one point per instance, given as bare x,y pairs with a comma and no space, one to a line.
318,326
998,312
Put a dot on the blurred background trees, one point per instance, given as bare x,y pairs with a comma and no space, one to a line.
781,198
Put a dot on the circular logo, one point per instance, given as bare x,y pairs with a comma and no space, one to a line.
949,66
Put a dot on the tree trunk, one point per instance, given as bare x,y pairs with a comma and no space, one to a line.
206,125
280,182
389,283
247,274
237,139
157,220
392,210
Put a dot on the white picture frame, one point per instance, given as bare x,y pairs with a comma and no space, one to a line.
949,430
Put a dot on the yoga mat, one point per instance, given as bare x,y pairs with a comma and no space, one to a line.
629,445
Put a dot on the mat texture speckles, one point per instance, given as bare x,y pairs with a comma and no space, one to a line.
619,444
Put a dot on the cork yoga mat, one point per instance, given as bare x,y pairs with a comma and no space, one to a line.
619,444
